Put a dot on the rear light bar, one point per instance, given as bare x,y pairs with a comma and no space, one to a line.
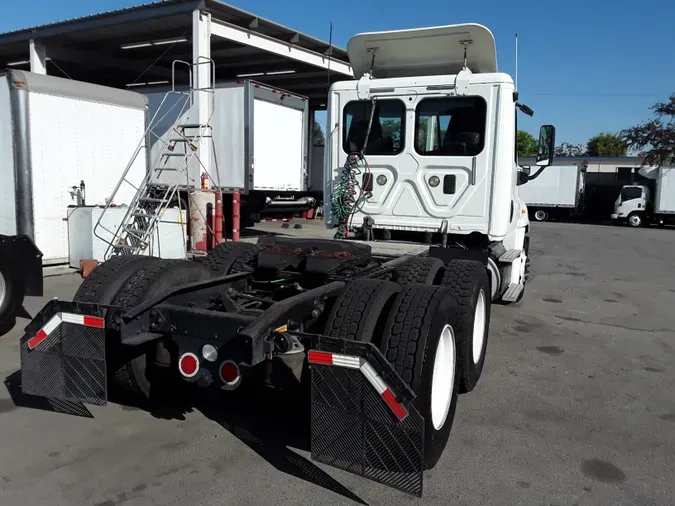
57,319
351,362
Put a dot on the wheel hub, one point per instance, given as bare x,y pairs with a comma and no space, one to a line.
479,327
443,378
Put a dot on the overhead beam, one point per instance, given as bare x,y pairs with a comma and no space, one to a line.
97,60
271,45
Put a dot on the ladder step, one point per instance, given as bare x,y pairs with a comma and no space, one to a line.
513,291
143,215
175,154
135,231
509,256
151,199
124,246
180,139
192,125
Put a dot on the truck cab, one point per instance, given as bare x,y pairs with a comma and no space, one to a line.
421,146
631,204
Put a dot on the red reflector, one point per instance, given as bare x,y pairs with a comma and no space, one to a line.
320,357
228,372
94,321
188,365
398,409
37,339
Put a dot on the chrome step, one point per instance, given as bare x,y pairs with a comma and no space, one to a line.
510,256
513,292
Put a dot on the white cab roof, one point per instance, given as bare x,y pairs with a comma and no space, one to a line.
423,51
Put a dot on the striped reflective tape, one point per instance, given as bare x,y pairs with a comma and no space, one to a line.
57,319
350,362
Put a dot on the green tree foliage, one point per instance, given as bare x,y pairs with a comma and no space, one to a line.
526,143
655,138
566,149
318,138
606,144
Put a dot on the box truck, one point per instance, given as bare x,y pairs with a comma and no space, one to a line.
651,201
261,137
62,142
558,192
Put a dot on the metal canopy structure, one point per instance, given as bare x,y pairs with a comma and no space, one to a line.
136,46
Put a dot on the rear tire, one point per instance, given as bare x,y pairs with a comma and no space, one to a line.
420,270
420,343
231,257
131,369
470,286
357,312
11,295
540,215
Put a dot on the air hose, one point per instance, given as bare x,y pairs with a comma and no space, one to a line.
347,192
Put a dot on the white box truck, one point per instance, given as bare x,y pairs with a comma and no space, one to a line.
558,192
652,201
61,141
262,138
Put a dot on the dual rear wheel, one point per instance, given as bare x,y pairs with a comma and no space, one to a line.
433,331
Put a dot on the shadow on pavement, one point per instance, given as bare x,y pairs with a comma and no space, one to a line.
271,423
13,385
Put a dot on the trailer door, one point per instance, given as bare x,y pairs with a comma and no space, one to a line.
279,146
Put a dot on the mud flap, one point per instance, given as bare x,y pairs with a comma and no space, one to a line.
362,418
63,354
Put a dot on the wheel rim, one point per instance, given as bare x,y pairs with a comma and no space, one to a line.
3,290
479,328
443,378
540,215
635,220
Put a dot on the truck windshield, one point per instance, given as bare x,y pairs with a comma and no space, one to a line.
631,192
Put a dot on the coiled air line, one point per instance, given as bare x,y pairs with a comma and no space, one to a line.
347,192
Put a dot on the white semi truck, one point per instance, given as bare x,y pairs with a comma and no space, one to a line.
421,145
652,201
557,193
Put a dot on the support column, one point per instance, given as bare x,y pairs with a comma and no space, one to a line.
38,58
201,76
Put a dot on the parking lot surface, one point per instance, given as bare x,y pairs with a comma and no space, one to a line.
576,406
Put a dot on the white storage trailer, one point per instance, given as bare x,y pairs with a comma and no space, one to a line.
55,134
261,136
556,192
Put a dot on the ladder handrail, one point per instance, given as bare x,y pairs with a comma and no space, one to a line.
139,223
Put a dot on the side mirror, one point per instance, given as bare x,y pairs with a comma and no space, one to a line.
546,146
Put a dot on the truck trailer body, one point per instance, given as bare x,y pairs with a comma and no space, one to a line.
262,139
651,201
557,192
380,345
59,137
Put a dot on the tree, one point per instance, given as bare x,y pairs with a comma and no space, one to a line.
606,144
566,149
527,144
656,135
318,139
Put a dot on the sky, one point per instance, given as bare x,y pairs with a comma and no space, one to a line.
586,66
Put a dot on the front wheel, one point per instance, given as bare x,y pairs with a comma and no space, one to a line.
635,220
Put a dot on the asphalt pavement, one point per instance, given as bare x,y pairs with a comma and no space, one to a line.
576,406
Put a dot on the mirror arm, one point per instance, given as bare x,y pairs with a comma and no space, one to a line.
536,174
